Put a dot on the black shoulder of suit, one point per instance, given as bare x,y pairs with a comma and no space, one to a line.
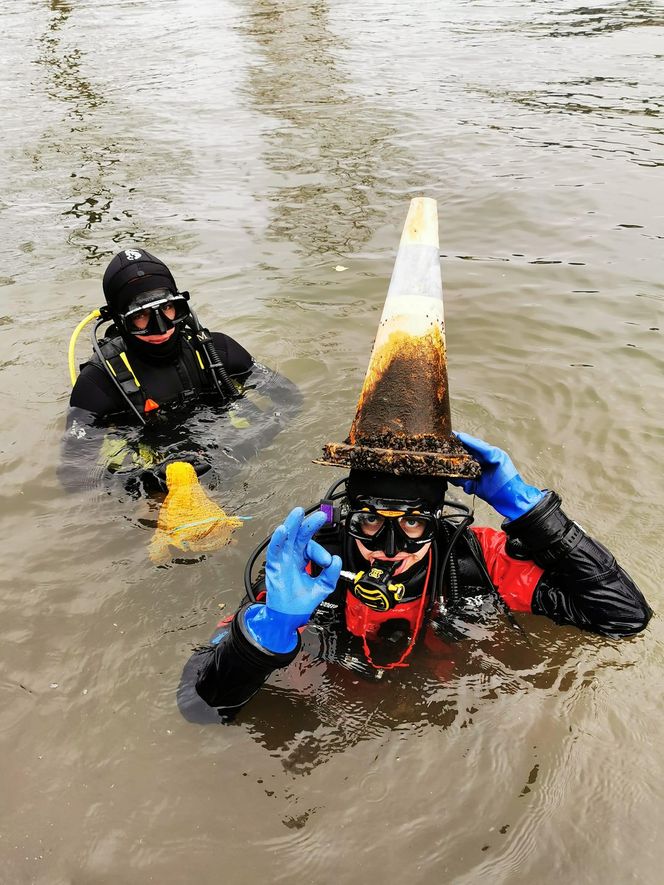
95,392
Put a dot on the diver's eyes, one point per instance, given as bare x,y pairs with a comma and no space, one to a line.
371,523
412,527
168,310
140,320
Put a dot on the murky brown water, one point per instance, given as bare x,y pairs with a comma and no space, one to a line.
256,146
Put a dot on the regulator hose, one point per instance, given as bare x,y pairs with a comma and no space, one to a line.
222,381
74,337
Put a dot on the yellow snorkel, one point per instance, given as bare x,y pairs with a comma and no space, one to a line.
74,337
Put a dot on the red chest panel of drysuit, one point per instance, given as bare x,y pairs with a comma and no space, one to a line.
515,579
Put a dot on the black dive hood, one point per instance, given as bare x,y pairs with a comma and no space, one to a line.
388,487
130,274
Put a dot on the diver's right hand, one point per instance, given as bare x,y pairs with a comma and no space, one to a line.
153,479
292,594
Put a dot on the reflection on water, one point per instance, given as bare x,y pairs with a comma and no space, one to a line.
590,21
312,712
66,83
99,174
64,66
622,112
337,148
256,145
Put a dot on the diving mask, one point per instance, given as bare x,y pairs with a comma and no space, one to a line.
154,313
379,525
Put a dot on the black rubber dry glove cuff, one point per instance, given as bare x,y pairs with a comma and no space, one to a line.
545,534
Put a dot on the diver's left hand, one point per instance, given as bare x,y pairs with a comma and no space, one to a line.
292,594
500,484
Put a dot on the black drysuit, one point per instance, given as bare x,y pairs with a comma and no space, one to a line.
542,563
97,438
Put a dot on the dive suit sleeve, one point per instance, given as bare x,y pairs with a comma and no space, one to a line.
580,582
285,397
80,451
269,403
91,452
230,672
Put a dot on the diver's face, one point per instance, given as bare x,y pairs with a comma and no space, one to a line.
391,530
405,560
141,320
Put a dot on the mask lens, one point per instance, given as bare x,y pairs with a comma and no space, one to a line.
175,309
407,531
159,312
140,320
413,527
366,524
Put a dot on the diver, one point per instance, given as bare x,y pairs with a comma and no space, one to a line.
153,366
392,575
386,569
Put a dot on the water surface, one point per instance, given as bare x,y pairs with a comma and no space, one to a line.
256,146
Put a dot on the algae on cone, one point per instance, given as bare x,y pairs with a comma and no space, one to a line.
403,423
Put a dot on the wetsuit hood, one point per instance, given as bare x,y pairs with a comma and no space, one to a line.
131,273
388,487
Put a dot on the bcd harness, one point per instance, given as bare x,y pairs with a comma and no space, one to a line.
189,366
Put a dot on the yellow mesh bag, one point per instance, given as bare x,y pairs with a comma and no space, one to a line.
188,519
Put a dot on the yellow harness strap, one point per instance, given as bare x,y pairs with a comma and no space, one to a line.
123,357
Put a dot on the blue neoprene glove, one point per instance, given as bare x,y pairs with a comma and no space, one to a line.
499,485
292,594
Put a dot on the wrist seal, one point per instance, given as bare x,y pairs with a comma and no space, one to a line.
254,653
545,534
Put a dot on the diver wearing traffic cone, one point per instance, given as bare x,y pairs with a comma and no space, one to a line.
385,566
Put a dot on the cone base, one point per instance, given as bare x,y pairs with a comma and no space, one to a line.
456,463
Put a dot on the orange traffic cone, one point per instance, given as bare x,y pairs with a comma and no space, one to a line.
403,423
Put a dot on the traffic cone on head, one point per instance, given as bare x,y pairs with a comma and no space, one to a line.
403,423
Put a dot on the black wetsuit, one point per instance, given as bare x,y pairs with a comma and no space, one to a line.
542,563
102,434
164,378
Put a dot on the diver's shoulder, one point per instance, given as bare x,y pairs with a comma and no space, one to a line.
237,358
93,390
